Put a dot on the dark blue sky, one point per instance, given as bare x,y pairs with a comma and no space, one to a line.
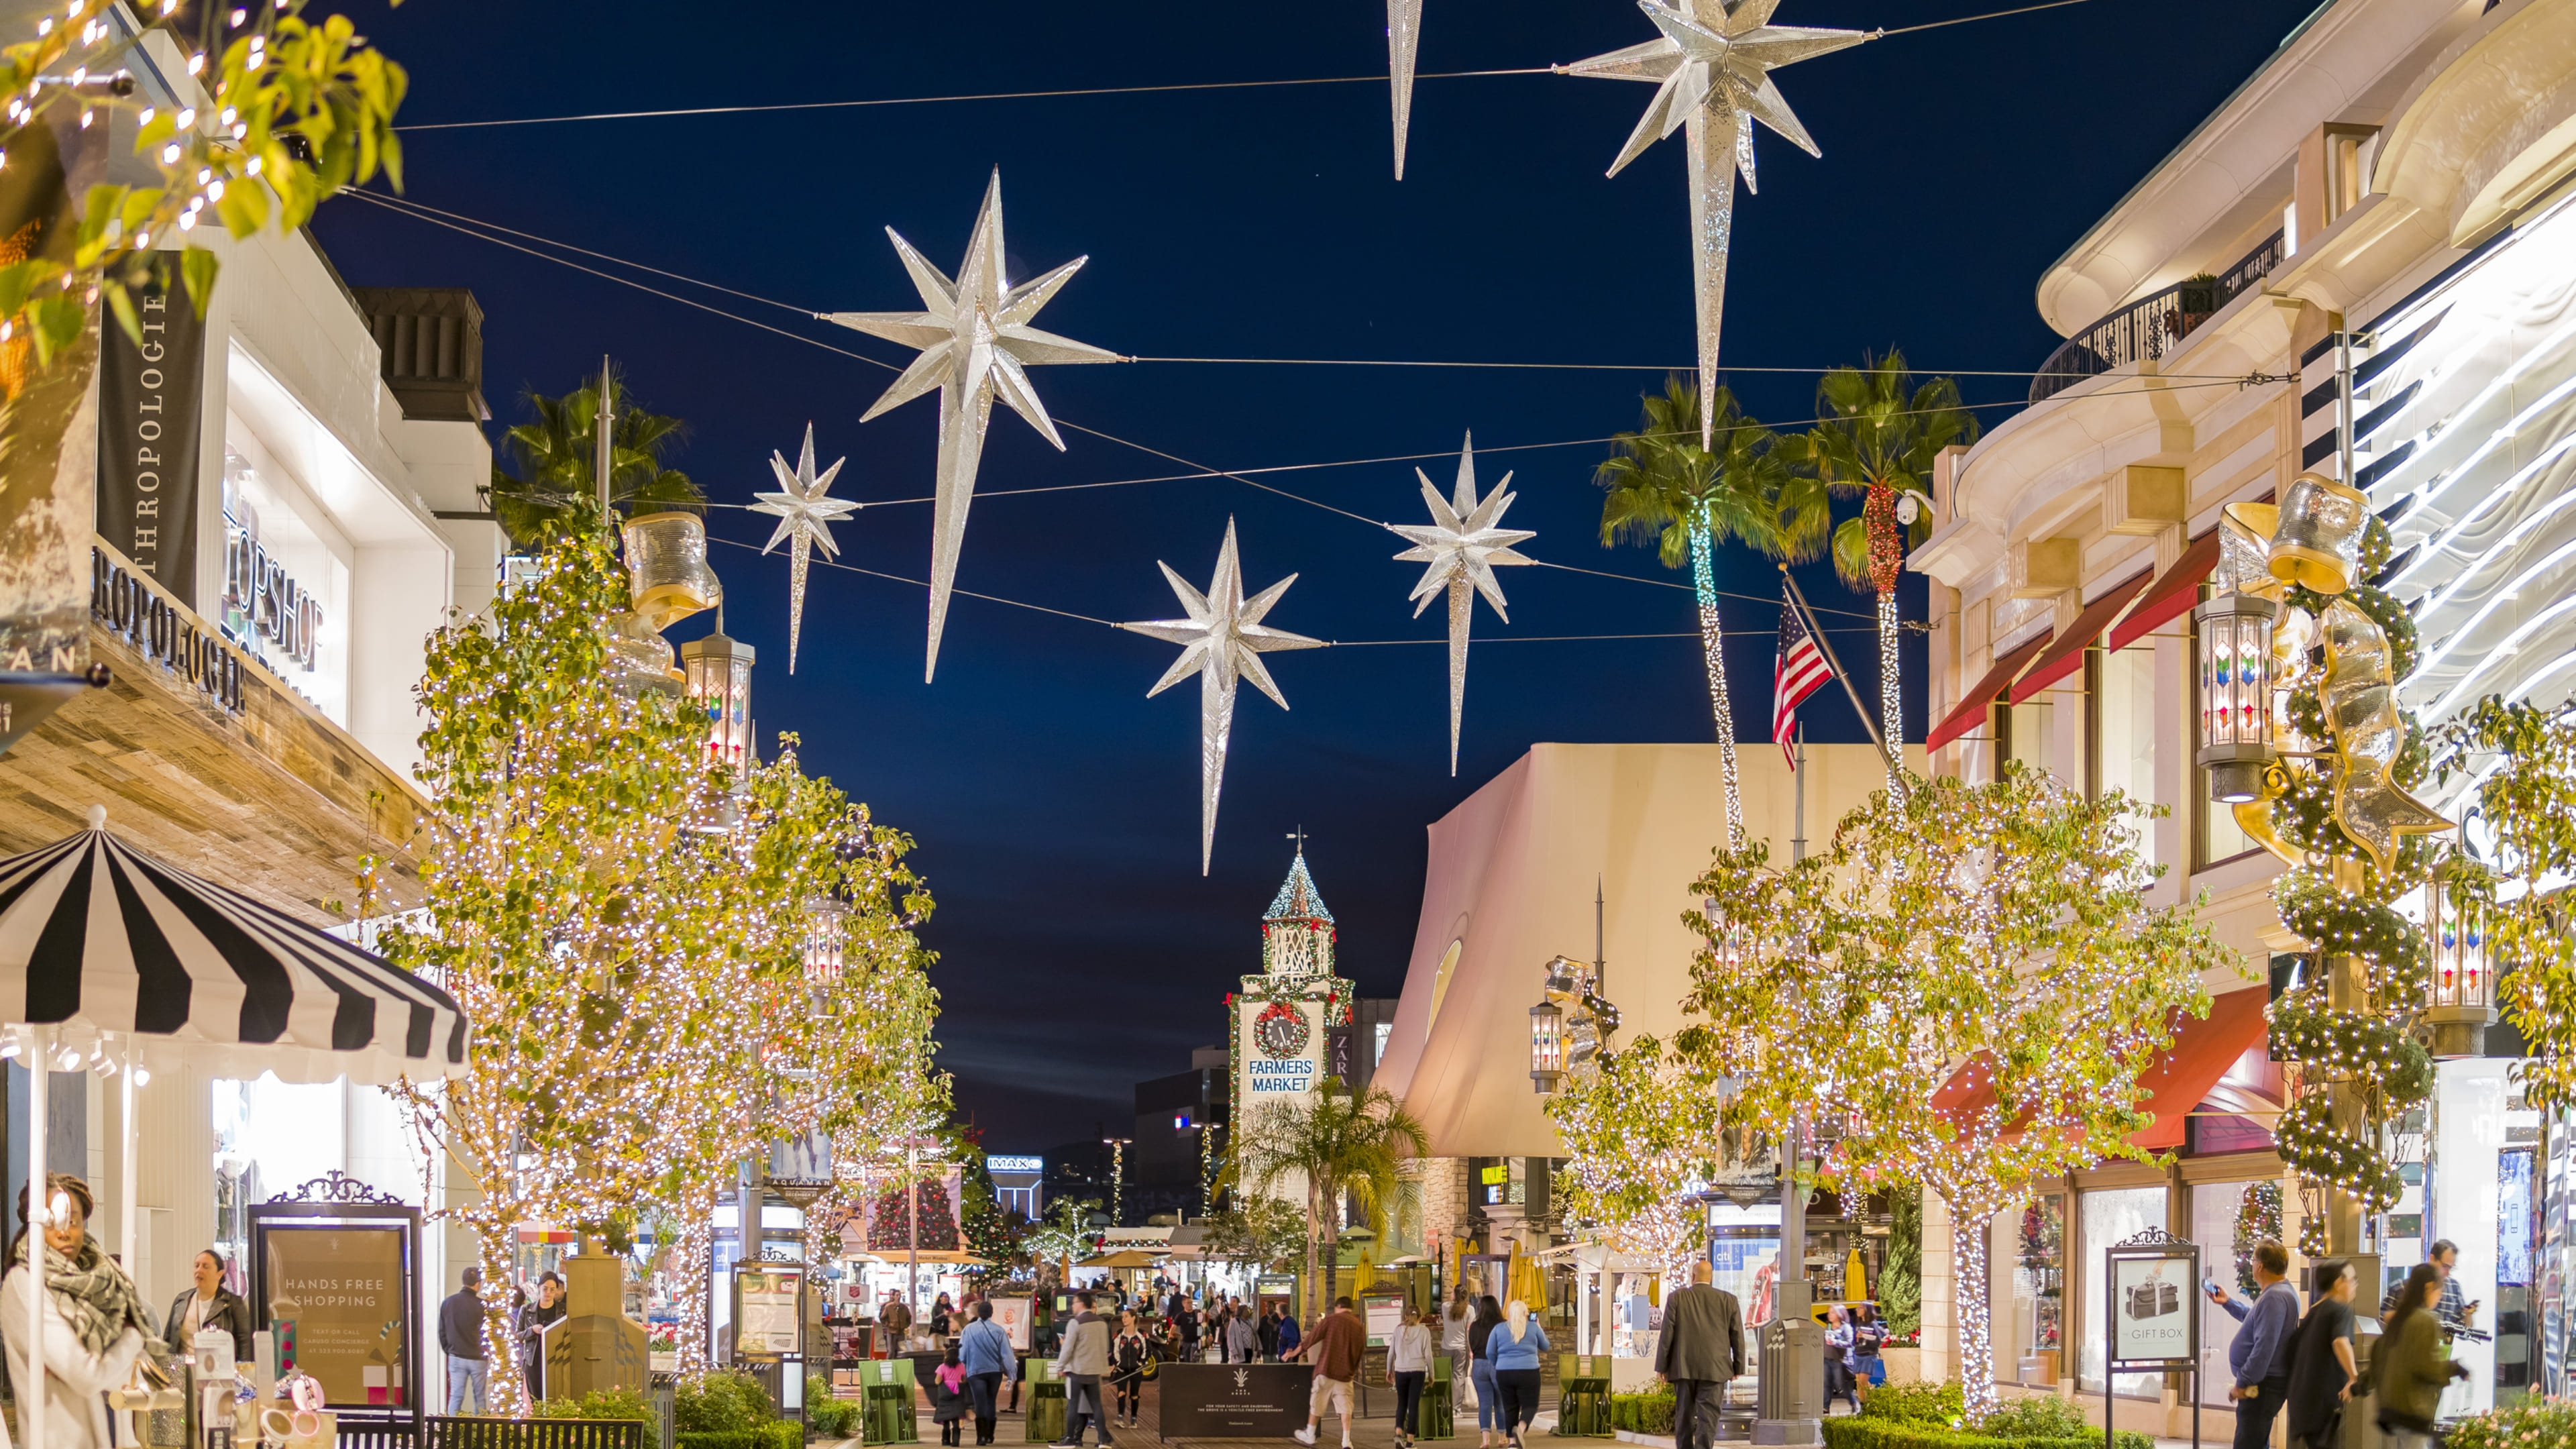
1057,807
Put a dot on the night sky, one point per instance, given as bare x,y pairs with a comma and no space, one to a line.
1055,806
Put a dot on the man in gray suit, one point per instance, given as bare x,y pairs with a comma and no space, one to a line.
1702,1347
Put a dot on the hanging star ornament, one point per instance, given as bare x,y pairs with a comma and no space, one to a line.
1712,71
1460,548
1403,34
1221,641
976,344
804,517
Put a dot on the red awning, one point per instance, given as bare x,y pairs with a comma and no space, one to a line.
2067,655
1971,710
2171,596
2179,1081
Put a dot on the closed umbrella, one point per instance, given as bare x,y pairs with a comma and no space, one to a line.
102,945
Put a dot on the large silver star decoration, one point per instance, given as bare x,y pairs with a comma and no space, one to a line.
1403,34
1460,548
1712,71
804,517
975,345
1221,641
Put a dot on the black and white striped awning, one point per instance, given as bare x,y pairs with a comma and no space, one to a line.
96,935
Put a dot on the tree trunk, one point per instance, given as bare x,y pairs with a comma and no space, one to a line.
1313,1227
505,1381
1973,1309
1713,647
1891,699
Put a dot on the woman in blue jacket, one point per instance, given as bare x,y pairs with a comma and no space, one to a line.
1514,1345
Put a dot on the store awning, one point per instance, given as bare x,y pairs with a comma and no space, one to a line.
2172,1086
2171,595
1971,709
2066,655
98,936
1128,1258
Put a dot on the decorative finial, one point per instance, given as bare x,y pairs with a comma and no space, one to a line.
98,817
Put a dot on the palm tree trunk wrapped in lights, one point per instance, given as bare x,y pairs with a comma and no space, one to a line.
1878,436
1662,486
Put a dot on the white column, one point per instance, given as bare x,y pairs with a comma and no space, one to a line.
125,1208
31,1394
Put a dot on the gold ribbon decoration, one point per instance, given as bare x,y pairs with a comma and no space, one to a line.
2254,817
2316,540
2359,693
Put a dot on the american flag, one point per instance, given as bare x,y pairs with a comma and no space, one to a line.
1799,671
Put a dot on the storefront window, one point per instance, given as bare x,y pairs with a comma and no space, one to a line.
2027,1256
2030,733
2228,1219
2480,1170
2109,1216
2121,695
1744,1254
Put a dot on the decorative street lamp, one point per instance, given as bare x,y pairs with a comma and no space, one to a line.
716,673
2236,694
1547,1046
2459,1001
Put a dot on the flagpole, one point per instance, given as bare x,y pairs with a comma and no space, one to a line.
1807,615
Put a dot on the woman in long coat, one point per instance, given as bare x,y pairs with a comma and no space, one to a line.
95,1322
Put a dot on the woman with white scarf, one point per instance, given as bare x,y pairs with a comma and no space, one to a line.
94,1321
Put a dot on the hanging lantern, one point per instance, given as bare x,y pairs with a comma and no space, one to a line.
1547,1046
717,672
666,560
2317,541
2235,694
2459,1001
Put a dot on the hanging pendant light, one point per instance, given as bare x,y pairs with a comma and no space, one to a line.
2236,694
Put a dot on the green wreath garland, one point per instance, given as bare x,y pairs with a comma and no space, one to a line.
2310,1142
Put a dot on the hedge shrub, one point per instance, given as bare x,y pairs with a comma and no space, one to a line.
773,1435
1642,1413
2531,1424
599,1404
719,1403
1933,1416
1859,1431
828,1417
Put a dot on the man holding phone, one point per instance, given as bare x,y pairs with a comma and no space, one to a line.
2259,1356
2448,1308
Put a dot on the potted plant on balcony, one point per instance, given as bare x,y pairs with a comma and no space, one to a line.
2194,300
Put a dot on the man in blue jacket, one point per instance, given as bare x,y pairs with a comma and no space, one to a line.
2259,1355
984,1351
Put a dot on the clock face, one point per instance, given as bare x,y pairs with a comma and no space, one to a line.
1281,1030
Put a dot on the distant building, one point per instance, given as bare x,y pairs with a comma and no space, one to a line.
1179,1138
1019,1183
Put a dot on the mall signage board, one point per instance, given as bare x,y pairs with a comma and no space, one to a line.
341,1263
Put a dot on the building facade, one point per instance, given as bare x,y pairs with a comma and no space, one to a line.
2392,186
288,505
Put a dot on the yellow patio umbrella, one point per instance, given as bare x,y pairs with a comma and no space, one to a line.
1855,1279
1364,1277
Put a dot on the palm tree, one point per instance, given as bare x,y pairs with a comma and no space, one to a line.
1878,436
1341,1143
555,483
1663,488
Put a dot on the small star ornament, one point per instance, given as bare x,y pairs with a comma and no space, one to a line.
976,345
1459,549
804,517
1712,73
1221,641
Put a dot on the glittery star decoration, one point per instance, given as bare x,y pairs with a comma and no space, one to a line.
1221,641
804,517
1403,34
976,343
1460,547
1712,70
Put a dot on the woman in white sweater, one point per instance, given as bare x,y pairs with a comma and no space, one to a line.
1408,1360
94,1320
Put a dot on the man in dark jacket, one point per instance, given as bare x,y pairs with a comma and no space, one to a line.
1702,1347
460,1337
209,1305
2259,1355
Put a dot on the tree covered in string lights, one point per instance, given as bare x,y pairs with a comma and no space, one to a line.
1641,1131
2526,790
637,979
2002,925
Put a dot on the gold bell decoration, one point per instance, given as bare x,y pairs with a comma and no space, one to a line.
666,558
2317,542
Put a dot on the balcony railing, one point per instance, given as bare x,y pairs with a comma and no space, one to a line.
2150,326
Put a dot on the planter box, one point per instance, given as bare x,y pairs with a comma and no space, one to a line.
1904,1365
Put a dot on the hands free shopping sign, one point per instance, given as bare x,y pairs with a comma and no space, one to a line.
347,1287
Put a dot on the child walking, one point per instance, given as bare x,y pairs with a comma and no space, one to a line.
948,1398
